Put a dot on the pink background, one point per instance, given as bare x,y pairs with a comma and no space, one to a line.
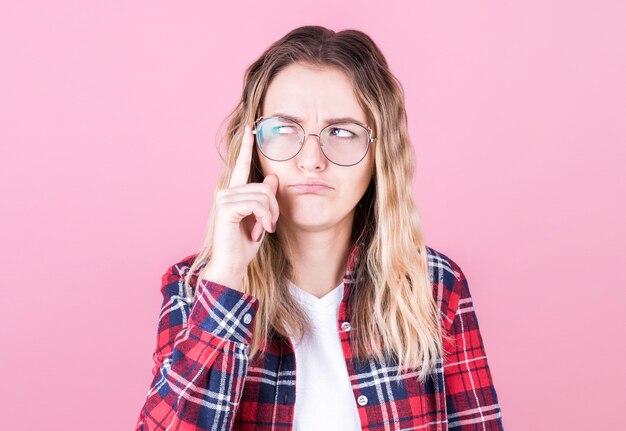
108,117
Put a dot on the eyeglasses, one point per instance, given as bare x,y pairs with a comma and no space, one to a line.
281,139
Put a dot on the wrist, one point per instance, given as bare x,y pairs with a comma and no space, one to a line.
232,279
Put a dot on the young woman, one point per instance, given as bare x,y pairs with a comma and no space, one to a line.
315,303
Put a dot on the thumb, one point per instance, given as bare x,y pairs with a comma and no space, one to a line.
272,180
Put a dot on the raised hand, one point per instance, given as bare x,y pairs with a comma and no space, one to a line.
244,212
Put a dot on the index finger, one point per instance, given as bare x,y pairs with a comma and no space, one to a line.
241,171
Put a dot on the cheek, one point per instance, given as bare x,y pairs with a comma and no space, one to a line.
262,163
370,170
270,167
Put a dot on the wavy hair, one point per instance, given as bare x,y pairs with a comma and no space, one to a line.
394,313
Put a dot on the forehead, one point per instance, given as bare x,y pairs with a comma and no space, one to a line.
312,94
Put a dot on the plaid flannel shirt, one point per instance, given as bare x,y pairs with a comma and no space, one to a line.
204,380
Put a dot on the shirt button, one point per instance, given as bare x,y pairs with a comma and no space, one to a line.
345,326
362,400
247,318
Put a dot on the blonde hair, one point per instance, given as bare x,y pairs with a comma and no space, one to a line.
393,308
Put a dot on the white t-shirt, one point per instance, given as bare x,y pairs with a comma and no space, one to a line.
324,397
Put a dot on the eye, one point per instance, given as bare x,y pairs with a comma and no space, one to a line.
284,129
341,133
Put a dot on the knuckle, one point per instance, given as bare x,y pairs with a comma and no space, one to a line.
221,194
257,205
266,200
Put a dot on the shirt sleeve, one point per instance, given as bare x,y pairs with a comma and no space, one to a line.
471,399
200,361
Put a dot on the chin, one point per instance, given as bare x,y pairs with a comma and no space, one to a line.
315,220
310,222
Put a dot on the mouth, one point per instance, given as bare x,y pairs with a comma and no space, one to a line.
310,187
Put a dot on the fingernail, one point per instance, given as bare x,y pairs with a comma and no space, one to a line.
259,236
273,226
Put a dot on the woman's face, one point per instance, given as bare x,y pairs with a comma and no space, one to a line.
313,96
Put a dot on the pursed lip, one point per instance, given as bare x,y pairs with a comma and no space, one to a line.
311,183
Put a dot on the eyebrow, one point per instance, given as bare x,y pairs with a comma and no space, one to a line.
326,121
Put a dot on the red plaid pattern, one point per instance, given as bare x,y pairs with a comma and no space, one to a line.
203,379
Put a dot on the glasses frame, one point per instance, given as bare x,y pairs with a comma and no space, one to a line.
370,138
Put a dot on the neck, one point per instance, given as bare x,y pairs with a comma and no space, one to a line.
319,258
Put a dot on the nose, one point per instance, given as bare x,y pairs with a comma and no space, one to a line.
311,156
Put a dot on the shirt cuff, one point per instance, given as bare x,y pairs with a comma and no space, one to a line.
224,312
